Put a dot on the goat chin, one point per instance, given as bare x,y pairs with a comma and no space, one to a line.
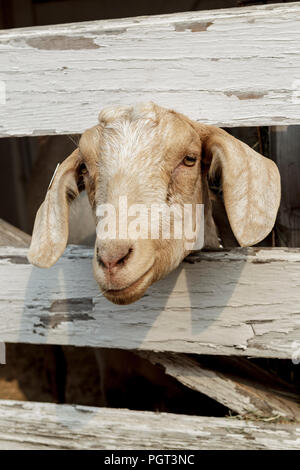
130,293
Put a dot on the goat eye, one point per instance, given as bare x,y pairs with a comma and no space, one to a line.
83,169
189,161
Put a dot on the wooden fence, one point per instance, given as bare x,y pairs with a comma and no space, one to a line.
236,67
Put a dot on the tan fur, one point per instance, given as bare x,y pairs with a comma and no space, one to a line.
138,152
51,227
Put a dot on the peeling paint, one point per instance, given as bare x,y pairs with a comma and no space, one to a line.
49,425
38,132
195,27
113,32
231,321
62,43
245,95
254,322
153,44
15,259
54,321
72,305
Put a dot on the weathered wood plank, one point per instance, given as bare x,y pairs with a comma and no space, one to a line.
233,67
240,302
10,235
30,425
244,397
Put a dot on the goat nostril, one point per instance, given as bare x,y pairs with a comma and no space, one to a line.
100,262
110,262
124,258
99,259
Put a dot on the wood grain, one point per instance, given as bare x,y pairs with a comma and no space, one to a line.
11,235
239,302
232,67
244,396
30,425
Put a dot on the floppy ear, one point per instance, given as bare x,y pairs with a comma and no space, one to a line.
51,226
251,184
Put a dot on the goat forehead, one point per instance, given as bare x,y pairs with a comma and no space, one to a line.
130,146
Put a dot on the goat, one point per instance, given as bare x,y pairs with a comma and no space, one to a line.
153,155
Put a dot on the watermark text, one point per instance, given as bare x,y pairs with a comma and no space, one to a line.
155,221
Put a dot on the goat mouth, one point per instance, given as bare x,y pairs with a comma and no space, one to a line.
129,289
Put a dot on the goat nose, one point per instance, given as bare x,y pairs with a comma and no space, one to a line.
117,258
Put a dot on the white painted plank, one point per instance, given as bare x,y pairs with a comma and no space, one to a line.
232,67
240,302
30,425
11,235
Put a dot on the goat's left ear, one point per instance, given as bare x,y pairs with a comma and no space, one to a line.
251,184
51,226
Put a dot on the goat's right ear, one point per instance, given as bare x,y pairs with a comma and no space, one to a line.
51,226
